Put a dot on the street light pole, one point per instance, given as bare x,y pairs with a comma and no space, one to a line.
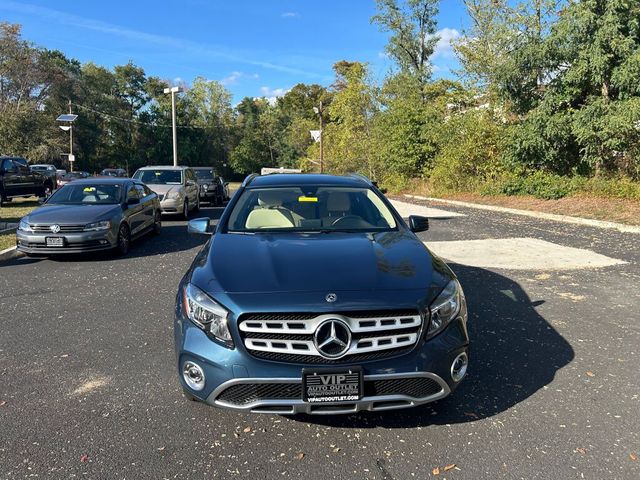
173,91
318,110
69,118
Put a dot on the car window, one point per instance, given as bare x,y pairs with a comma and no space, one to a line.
141,191
133,192
319,208
87,194
159,177
203,174
7,165
21,162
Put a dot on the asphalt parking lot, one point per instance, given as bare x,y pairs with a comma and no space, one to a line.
88,386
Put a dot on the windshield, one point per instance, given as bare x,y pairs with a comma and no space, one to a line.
87,194
310,209
204,174
159,177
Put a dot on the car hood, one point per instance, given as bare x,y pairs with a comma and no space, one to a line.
333,262
164,189
72,214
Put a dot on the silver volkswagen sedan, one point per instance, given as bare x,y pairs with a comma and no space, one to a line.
89,215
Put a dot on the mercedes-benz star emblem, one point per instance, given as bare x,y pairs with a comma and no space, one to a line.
332,338
331,297
55,228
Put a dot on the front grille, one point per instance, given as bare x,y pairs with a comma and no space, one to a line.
46,228
289,337
246,393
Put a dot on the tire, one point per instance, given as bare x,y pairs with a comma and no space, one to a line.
157,224
124,239
185,209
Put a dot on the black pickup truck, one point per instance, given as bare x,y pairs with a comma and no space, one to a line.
17,180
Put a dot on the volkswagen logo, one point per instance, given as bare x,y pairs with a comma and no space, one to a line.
54,228
332,338
331,297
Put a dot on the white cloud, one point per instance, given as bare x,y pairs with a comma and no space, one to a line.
444,47
272,94
235,76
290,15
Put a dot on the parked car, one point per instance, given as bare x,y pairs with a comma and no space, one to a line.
48,171
314,296
89,215
226,188
176,186
212,189
17,180
71,176
114,172
61,172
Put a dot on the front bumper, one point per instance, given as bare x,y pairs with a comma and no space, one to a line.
35,243
237,380
172,206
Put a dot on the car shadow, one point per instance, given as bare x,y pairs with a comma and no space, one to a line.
514,353
173,238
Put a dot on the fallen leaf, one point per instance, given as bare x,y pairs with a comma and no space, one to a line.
64,356
336,450
449,467
436,471
633,456
161,449
591,374
581,450
84,458
299,456
246,429
3,403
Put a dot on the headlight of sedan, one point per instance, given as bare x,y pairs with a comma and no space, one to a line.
97,226
174,195
203,311
446,307
24,226
205,187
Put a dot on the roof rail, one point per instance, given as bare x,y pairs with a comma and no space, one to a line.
249,179
360,177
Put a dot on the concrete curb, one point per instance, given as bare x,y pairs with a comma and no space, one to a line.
10,253
621,227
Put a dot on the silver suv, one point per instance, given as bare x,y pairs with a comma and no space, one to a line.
176,187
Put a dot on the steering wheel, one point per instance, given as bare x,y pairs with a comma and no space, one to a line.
346,218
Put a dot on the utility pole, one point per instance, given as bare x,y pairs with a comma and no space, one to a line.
318,110
173,91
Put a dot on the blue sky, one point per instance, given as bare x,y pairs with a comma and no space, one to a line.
255,48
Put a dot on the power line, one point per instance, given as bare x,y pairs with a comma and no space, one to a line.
137,122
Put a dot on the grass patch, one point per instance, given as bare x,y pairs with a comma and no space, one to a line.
7,240
13,211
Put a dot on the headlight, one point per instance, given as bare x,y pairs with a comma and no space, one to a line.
207,314
174,195
97,226
446,307
24,226
205,187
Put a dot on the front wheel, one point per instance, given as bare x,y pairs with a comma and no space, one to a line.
157,224
124,239
185,209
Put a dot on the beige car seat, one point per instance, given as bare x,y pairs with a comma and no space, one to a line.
271,214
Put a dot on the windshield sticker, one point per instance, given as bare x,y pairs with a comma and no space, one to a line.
307,199
89,189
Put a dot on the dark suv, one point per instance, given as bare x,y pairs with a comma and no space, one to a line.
314,296
18,180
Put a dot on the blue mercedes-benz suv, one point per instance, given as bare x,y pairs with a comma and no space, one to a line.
312,295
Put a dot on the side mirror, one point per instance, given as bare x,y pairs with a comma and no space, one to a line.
191,183
199,226
133,201
418,223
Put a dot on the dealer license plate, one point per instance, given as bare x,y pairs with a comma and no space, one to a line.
343,385
54,241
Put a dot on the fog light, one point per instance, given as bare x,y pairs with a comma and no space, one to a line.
459,367
193,376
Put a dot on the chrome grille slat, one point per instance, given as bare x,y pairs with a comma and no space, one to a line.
307,327
46,228
292,335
